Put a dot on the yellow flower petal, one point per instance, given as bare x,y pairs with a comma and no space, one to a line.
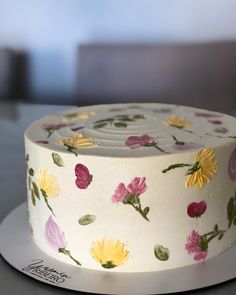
109,253
178,122
76,141
48,183
207,169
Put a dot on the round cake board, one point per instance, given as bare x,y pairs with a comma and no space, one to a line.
19,249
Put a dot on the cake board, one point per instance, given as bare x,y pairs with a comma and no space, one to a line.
30,260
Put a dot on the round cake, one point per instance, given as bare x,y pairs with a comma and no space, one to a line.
132,187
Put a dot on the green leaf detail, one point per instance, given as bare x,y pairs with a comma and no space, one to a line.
87,219
146,210
33,198
104,120
161,252
27,157
231,211
100,125
216,228
31,172
57,160
36,190
120,125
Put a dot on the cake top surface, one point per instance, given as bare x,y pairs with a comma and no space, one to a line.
132,130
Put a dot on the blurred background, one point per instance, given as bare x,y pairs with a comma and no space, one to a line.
87,52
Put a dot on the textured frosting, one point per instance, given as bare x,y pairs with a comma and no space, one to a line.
132,188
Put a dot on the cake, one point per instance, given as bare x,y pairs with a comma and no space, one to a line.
132,187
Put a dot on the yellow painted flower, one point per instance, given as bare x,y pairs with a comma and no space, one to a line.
76,141
178,122
109,253
47,183
79,116
203,169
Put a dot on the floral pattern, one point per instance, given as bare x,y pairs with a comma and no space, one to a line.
196,209
75,142
185,146
232,166
109,253
77,116
178,122
56,239
231,211
201,171
119,121
84,178
50,128
130,195
145,140
198,244
48,186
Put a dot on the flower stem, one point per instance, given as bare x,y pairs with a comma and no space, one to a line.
139,209
160,149
46,201
178,142
71,149
180,165
67,253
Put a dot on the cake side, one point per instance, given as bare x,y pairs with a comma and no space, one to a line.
132,213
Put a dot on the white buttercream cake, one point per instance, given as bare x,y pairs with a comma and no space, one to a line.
132,187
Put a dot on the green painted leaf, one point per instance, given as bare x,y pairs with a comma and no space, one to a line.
230,211
146,210
120,125
29,183
100,125
57,160
87,219
104,120
216,228
27,157
161,252
31,172
33,198
220,236
138,117
36,190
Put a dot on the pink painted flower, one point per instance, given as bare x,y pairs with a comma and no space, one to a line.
207,115
84,178
120,194
42,141
54,126
54,236
232,166
215,122
194,245
187,146
134,142
195,209
137,186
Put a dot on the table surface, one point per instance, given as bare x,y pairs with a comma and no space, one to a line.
14,119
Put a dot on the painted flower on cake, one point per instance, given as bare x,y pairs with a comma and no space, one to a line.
84,178
201,171
196,209
77,116
178,122
185,146
197,245
134,142
109,253
78,140
48,183
130,195
48,186
232,166
56,238
51,127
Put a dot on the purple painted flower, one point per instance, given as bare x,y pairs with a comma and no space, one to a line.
195,245
84,178
207,115
134,142
42,141
120,194
187,146
232,166
195,209
54,236
215,122
137,186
